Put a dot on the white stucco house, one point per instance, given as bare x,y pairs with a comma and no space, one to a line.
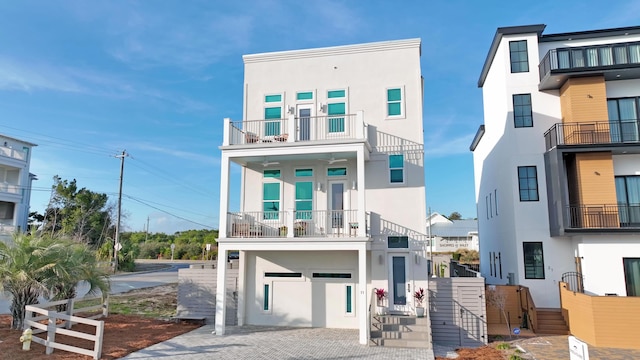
15,185
451,235
332,191
557,161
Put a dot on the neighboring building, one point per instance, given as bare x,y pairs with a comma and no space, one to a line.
451,235
15,185
332,198
557,161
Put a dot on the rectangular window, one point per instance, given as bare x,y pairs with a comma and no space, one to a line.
273,98
271,201
304,172
265,301
495,199
304,199
533,260
632,275
396,168
337,172
519,56
273,112
528,183
522,113
398,242
6,210
491,262
349,299
332,275
623,119
307,95
336,107
628,196
283,274
271,173
394,102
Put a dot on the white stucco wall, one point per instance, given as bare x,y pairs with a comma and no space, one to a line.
15,159
602,263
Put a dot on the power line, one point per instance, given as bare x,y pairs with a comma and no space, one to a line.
174,215
167,176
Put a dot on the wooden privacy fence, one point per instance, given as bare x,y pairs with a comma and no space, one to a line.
37,314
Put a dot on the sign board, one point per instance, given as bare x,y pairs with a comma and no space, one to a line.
208,247
173,246
578,350
118,247
516,331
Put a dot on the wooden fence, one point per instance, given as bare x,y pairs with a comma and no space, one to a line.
518,306
64,328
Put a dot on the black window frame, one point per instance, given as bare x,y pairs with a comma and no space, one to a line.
529,260
528,190
515,56
522,117
629,288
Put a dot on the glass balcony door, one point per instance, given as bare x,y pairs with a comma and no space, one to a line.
623,119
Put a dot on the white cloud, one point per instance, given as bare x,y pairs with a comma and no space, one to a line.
18,75
191,156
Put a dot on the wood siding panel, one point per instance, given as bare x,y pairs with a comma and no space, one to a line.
512,305
595,178
584,100
607,321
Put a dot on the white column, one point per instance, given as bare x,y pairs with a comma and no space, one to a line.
241,286
360,128
225,132
362,206
224,195
221,296
290,222
363,313
292,128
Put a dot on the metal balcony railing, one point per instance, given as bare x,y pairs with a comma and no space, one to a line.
297,129
586,58
282,224
603,216
13,153
593,133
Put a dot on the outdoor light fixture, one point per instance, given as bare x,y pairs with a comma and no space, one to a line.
380,259
319,188
354,185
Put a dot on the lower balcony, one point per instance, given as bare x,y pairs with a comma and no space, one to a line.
603,216
283,224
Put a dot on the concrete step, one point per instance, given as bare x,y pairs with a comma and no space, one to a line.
401,328
404,320
400,335
402,343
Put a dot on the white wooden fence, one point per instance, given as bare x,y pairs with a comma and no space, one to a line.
52,328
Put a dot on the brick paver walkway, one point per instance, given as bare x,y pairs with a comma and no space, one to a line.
557,347
262,342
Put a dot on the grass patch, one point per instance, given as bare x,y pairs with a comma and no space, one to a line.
503,346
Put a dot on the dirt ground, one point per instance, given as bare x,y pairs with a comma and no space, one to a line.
123,334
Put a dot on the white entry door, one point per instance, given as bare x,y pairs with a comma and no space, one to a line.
337,205
400,298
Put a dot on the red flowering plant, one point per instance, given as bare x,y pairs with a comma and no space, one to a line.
380,294
419,296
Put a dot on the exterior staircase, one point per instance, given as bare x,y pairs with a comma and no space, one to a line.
400,331
551,322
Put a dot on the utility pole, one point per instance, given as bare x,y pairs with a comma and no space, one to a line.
117,246
146,236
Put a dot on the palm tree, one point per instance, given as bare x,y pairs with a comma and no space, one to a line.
38,265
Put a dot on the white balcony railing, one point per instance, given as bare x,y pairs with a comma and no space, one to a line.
270,224
9,188
13,153
295,129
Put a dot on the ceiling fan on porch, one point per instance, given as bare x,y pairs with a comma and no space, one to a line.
266,163
333,160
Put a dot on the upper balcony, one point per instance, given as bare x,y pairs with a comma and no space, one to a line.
13,153
615,61
298,130
603,216
596,133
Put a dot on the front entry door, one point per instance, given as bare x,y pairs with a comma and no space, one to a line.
304,122
336,206
399,284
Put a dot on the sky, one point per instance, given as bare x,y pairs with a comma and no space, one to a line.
86,80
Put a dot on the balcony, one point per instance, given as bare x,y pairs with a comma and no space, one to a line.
289,224
13,153
603,216
330,128
615,61
593,133
9,188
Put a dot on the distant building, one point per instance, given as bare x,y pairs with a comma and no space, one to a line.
332,200
451,235
557,161
15,185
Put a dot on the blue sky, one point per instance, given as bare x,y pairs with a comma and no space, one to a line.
87,79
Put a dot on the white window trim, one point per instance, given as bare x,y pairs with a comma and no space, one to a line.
344,99
402,103
269,310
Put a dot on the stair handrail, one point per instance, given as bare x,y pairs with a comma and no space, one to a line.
370,317
529,310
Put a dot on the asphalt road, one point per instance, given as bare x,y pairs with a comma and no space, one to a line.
123,283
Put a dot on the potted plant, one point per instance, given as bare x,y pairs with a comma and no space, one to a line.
283,231
419,297
300,228
380,296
